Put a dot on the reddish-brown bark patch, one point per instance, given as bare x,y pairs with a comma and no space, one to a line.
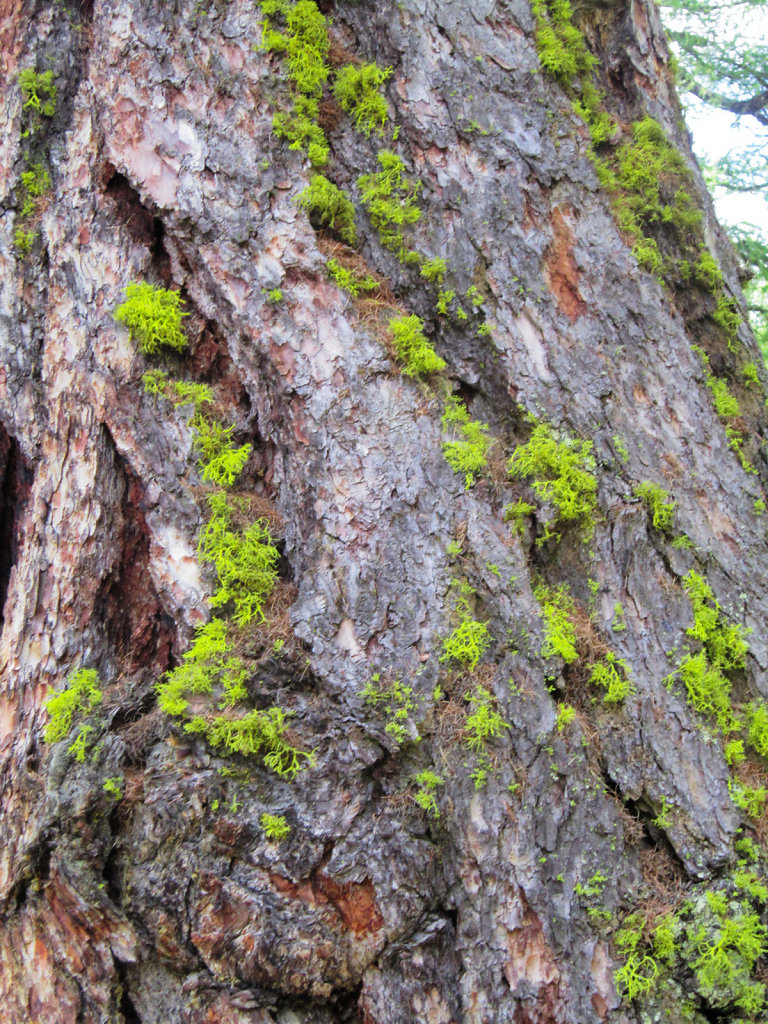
355,902
599,1005
562,273
531,961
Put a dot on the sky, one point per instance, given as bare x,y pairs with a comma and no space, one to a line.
715,133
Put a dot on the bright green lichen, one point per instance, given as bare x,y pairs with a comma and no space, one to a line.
637,976
726,313
726,945
663,939
307,47
723,650
725,644
245,560
717,937
357,92
210,685
428,782
727,316
726,406
257,733
276,828
79,747
304,42
35,183
390,199
709,690
749,374
651,188
565,715
728,410
79,698
749,883
434,270
39,96
590,894
350,279
188,392
757,726
444,300
153,317
750,799
618,622
562,472
484,723
114,787
516,513
467,643
559,615
562,52
412,348
398,703
208,668
621,447
470,639
468,452
734,752
658,503
612,675
155,382
301,131
557,610
23,240
220,460
649,182
329,207
707,272
647,178
682,543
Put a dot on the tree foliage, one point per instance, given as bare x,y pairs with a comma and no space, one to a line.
722,58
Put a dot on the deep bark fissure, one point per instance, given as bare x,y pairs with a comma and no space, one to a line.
125,1002
15,486
140,631
144,227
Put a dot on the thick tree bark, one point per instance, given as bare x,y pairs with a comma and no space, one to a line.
169,904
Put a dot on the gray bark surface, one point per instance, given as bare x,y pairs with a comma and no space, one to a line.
158,909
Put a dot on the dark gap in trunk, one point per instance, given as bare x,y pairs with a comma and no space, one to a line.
142,225
139,630
15,485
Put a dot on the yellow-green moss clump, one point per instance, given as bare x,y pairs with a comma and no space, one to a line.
561,471
412,348
153,317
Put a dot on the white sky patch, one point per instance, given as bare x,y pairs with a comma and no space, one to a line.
716,133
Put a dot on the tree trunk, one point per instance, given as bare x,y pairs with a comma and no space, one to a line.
495,889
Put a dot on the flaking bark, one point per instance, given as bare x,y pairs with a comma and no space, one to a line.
169,904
